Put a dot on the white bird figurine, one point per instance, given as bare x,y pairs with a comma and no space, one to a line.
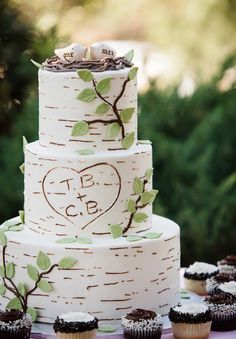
100,50
71,53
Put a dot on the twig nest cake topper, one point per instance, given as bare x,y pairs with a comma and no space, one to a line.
71,53
100,50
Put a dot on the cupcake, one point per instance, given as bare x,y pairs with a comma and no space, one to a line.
195,276
223,309
15,324
228,265
192,320
213,283
142,324
75,325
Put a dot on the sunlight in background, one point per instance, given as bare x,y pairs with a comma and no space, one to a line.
186,37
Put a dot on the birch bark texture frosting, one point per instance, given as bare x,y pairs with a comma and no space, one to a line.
88,195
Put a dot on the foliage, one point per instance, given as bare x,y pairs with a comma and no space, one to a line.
194,144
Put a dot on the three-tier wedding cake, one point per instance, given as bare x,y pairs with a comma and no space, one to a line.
89,240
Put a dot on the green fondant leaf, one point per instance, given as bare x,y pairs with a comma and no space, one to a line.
45,286
147,197
2,289
129,56
107,328
149,174
84,240
32,272
14,304
66,263
126,114
128,140
80,128
138,186
113,130
2,274
22,289
132,238
36,64
22,168
185,297
3,238
103,86
154,192
102,109
22,216
33,313
132,73
43,261
131,205
87,95
152,235
16,228
85,151
85,75
140,217
145,142
116,231
66,241
24,142
10,270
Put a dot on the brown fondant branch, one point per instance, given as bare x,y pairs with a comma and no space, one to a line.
113,106
14,288
136,208
102,121
41,275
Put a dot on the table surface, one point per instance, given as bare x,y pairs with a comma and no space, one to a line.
213,335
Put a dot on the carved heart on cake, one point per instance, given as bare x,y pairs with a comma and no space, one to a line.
81,197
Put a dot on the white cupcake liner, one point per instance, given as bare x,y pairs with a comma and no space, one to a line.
189,331
78,335
197,286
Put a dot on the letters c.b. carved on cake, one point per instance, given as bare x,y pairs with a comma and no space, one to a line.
77,196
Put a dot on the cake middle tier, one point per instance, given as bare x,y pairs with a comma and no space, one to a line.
73,195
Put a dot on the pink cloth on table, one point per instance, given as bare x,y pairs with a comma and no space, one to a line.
213,335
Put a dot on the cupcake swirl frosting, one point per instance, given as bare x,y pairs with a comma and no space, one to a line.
140,319
192,313
11,315
139,313
221,298
229,260
75,322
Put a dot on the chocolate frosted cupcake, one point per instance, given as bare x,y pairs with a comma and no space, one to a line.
195,276
223,309
190,321
228,265
15,324
213,283
76,325
142,324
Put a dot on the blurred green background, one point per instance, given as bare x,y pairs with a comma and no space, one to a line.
187,100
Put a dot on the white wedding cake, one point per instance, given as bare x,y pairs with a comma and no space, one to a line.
89,241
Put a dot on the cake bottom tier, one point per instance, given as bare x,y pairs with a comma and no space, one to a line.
110,277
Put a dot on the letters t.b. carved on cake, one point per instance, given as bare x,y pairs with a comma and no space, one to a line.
89,196
76,190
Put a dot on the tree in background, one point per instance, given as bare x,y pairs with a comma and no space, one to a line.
194,143
18,104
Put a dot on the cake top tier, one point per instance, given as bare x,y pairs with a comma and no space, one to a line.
99,57
88,100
